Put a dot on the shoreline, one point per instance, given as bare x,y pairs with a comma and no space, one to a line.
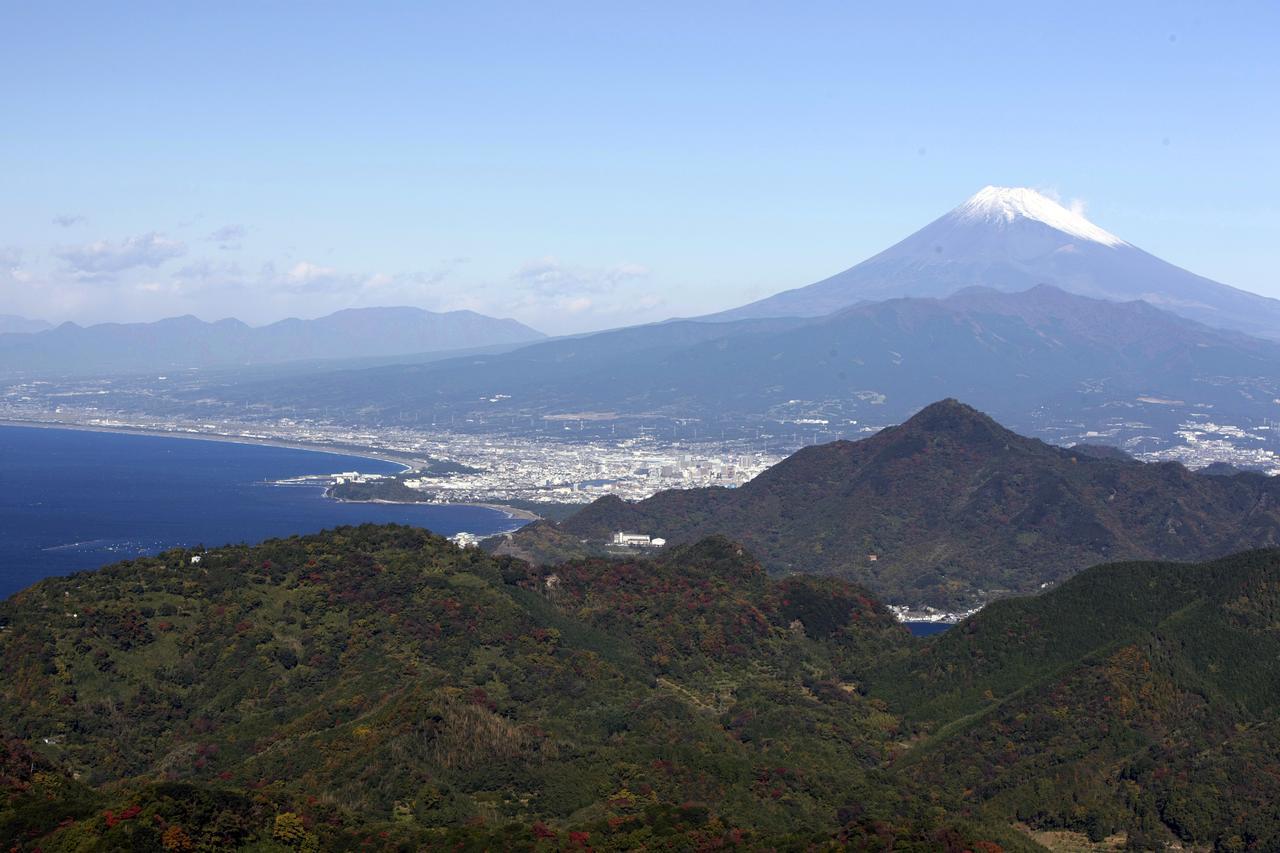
511,512
228,438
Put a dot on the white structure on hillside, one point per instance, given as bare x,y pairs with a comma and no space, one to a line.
356,477
636,540
463,539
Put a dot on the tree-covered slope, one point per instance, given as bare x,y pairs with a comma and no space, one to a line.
1138,697
378,687
954,509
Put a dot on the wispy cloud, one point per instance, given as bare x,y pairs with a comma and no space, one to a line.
556,296
550,277
1076,205
228,237
138,278
106,258
66,220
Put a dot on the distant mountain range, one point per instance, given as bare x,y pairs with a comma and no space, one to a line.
1010,353
13,324
1012,239
183,342
947,509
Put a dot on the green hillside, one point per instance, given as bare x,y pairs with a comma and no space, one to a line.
1138,697
379,686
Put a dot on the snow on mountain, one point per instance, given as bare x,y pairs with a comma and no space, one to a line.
1003,205
1011,239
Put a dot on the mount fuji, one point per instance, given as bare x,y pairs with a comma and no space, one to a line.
1011,239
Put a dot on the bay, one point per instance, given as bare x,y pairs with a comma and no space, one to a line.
927,629
76,499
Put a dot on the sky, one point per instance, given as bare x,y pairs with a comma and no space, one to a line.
590,165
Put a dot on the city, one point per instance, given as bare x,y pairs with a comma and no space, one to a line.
561,465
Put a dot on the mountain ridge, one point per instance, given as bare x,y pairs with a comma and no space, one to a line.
187,341
12,324
948,509
1011,353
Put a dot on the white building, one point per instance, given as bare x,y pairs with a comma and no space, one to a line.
636,540
464,539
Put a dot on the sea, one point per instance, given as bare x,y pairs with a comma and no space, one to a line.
75,499
927,629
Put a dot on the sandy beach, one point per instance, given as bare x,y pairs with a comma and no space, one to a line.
408,463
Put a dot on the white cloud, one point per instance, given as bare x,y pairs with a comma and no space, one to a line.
1075,205
66,220
557,297
103,258
136,279
305,272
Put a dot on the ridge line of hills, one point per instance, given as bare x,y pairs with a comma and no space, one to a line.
1040,350
181,342
948,509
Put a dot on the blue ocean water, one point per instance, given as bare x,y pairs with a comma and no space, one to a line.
72,500
927,629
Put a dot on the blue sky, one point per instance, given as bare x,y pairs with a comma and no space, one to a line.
584,165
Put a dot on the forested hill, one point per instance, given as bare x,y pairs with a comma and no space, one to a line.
378,688
949,508
1138,698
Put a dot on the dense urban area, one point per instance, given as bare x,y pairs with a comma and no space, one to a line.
563,460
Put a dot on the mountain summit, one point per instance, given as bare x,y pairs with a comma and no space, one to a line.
958,421
949,509
1014,238
1003,206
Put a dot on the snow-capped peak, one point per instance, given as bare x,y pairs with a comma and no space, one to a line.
1006,204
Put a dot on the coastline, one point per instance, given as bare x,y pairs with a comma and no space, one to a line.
407,463
511,512
403,461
